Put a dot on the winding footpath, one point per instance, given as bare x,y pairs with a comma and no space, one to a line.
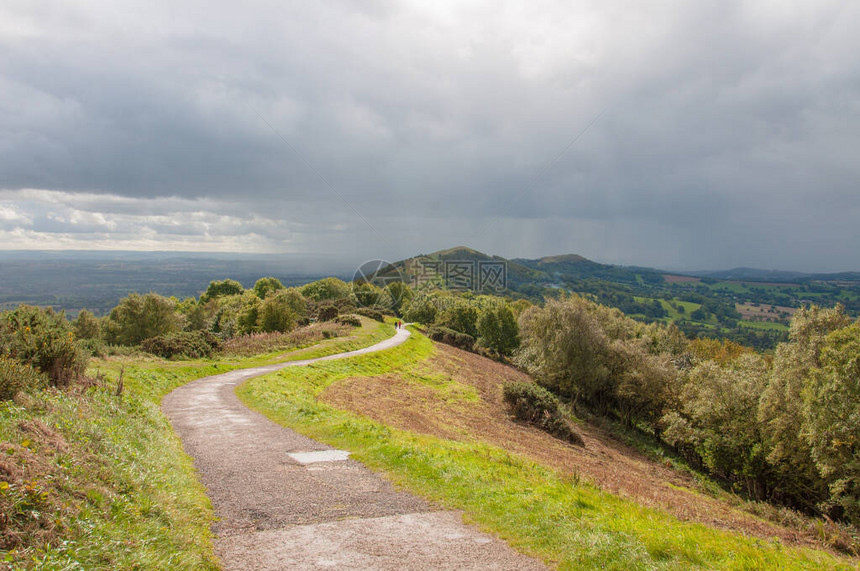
285,501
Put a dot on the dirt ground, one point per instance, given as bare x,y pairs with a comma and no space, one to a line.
604,461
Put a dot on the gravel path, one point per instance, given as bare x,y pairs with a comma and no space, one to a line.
281,512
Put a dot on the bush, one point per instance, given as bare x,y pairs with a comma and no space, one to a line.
451,337
371,313
351,320
95,347
539,407
327,312
16,376
191,344
43,339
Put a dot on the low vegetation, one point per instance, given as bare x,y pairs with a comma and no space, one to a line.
536,405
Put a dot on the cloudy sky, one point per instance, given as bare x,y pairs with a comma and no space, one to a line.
679,134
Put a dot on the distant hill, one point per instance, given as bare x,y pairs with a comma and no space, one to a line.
774,276
528,276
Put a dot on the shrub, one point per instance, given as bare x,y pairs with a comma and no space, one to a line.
95,347
539,407
191,344
451,337
371,313
351,320
327,312
16,376
43,339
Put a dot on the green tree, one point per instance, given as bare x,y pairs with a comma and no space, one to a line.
831,405
498,329
398,295
221,288
420,310
565,348
781,405
460,316
281,309
365,294
248,317
194,313
139,317
326,289
716,417
265,286
86,325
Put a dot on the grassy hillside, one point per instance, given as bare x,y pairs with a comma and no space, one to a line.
431,419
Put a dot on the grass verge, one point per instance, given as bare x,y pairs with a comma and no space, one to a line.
540,511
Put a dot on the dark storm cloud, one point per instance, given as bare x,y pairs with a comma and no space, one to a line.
727,131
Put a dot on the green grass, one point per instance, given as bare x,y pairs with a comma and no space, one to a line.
539,511
118,492
767,325
673,314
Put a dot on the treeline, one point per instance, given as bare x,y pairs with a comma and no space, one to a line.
168,327
784,429
39,346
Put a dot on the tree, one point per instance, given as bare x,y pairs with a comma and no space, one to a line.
248,316
420,310
716,417
139,317
280,310
265,286
460,316
498,330
194,313
781,406
86,325
365,294
326,289
398,294
565,348
221,288
831,406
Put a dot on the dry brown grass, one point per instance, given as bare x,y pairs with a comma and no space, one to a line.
454,413
29,477
675,279
257,343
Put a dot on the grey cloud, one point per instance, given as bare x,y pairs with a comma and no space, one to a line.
727,137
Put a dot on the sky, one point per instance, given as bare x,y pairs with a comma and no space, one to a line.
675,134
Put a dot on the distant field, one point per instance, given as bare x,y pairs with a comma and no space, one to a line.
764,311
768,325
673,279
